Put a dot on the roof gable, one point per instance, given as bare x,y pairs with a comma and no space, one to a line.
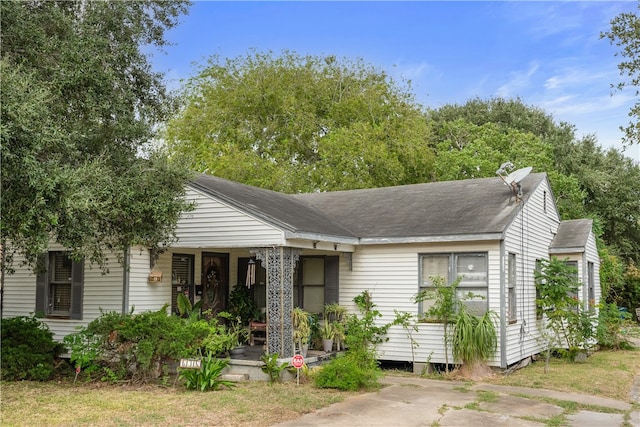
279,209
572,236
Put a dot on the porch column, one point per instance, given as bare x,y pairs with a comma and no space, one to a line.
279,263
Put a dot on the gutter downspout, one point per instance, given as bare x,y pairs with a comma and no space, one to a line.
503,325
126,281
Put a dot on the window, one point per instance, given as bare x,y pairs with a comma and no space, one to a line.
512,306
574,294
592,292
538,282
472,268
316,282
309,294
59,286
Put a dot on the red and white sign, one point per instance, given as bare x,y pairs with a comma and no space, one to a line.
297,361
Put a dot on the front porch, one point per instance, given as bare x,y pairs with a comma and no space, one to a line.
274,280
248,367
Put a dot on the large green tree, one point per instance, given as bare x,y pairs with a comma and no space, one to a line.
611,182
625,34
472,139
79,104
293,123
475,138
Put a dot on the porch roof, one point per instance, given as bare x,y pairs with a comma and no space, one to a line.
481,207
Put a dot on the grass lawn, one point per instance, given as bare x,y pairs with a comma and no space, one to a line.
605,373
248,404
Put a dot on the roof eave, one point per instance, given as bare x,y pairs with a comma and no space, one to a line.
568,250
432,239
319,237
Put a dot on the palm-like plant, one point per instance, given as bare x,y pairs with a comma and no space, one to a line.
474,337
301,326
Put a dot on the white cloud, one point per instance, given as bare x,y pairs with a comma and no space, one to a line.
414,71
519,82
572,77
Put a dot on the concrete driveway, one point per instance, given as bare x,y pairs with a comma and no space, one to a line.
410,401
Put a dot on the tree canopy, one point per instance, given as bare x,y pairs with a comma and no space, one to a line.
294,123
625,33
473,139
79,105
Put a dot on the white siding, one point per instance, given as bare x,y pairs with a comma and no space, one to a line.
101,291
391,274
214,223
592,255
529,237
163,264
145,296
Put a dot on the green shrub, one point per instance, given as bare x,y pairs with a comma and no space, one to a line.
28,349
347,373
474,337
610,323
358,368
272,368
137,345
208,376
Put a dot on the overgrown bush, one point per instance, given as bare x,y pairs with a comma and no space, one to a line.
28,349
474,337
610,323
358,368
348,373
136,346
570,325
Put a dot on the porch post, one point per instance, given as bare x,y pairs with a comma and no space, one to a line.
279,263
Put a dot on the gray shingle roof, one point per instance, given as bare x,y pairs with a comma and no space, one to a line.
475,207
451,208
572,236
279,209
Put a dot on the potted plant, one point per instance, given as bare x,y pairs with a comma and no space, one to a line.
237,331
242,305
301,329
327,332
338,315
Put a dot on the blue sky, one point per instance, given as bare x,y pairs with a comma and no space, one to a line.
547,53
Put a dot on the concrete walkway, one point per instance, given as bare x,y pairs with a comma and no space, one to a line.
414,401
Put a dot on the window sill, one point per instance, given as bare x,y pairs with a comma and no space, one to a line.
58,316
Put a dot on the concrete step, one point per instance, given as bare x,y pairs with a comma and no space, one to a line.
236,378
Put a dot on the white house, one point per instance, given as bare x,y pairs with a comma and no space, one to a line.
319,248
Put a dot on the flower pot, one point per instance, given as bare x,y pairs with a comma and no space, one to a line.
327,345
238,351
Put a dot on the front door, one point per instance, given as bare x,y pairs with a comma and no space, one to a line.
215,282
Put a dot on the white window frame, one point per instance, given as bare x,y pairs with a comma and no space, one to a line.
472,266
512,277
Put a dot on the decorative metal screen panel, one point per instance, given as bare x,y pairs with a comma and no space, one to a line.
279,263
